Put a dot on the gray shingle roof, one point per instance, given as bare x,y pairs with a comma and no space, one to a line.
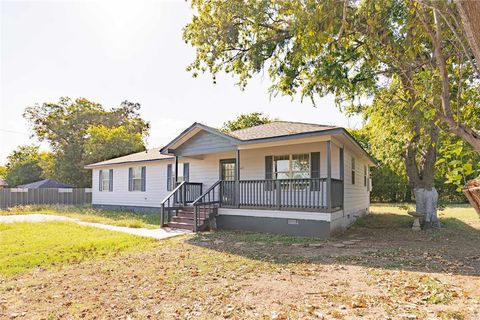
3,183
265,131
148,155
47,183
278,129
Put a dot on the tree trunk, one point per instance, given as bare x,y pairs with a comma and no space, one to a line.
426,201
421,177
469,11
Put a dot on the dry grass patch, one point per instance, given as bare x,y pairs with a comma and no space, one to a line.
388,273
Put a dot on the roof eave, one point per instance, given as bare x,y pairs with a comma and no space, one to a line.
332,131
98,165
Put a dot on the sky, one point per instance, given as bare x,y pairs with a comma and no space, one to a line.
111,51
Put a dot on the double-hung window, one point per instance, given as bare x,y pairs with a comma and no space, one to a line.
293,166
137,179
106,180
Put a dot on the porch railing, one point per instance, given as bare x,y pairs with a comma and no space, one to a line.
281,194
183,194
207,202
189,192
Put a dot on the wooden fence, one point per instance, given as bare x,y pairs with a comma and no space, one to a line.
11,197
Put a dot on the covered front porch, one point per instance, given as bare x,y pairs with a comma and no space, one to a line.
304,176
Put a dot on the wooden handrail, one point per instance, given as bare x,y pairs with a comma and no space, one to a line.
171,194
199,202
206,192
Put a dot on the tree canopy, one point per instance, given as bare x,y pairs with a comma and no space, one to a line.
26,164
246,121
81,132
403,64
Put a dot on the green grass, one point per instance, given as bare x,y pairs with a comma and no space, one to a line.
24,246
392,216
121,218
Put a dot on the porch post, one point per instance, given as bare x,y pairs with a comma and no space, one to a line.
176,172
329,176
237,179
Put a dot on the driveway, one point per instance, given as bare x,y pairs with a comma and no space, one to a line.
160,233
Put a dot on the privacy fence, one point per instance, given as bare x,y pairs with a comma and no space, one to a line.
11,197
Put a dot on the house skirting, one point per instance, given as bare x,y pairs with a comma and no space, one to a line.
295,223
136,209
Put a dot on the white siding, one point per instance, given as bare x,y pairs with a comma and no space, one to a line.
206,169
252,162
156,175
357,196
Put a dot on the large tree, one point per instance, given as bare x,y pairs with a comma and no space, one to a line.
350,49
246,121
80,132
359,51
26,164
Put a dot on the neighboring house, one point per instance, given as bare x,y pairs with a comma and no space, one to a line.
47,183
282,177
3,184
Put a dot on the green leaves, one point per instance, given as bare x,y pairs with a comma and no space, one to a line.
245,121
25,164
81,132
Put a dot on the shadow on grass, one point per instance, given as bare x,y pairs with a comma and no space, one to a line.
379,240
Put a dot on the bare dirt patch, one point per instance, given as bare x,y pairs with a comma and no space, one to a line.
378,273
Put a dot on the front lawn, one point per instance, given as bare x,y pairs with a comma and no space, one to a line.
122,218
378,269
24,246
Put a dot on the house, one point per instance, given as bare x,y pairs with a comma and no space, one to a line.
3,184
47,183
282,177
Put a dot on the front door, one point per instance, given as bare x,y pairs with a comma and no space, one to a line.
228,174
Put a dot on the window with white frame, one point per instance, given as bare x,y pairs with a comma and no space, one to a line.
104,180
136,179
293,166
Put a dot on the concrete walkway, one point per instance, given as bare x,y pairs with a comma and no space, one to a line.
161,233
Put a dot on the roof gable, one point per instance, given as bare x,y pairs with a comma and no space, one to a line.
213,134
205,142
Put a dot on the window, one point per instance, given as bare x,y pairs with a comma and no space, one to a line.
183,174
137,179
353,170
294,166
105,180
365,176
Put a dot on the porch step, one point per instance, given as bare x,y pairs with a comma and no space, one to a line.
180,225
186,219
185,216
